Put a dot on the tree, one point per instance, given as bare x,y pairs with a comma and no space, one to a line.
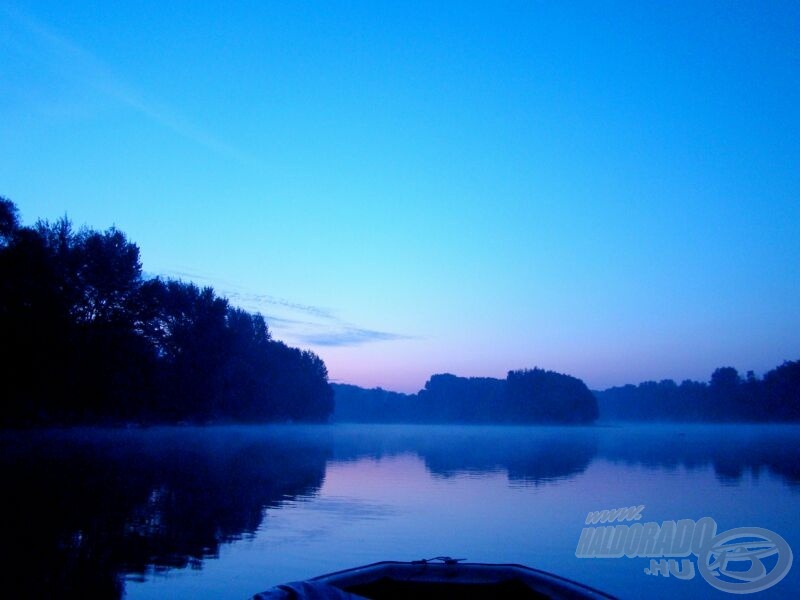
724,394
536,395
92,341
9,221
782,392
108,275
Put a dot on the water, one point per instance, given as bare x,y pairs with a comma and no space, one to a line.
224,512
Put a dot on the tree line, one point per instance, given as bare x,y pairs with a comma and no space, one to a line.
524,396
89,339
539,396
726,397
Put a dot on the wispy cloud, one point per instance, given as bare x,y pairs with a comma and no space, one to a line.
351,336
248,299
262,299
77,64
301,323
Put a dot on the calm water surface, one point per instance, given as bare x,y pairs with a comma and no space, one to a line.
224,512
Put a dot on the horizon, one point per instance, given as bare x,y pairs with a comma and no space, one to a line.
408,190
591,388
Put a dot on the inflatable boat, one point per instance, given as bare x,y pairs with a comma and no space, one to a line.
440,577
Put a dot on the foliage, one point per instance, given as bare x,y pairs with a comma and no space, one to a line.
88,339
727,397
526,396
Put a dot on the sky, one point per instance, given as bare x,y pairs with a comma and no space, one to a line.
609,190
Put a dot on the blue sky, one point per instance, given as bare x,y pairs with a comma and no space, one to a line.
610,190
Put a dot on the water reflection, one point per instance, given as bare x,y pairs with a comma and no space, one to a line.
86,508
526,455
731,450
89,506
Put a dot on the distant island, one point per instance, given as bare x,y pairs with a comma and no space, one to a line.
538,396
525,396
89,340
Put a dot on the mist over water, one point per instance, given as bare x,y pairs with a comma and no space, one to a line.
229,511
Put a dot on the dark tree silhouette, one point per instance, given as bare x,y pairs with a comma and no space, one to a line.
543,396
537,396
92,341
727,397
358,405
527,396
447,398
781,392
9,221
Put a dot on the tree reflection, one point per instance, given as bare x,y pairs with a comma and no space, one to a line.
86,508
551,453
732,451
